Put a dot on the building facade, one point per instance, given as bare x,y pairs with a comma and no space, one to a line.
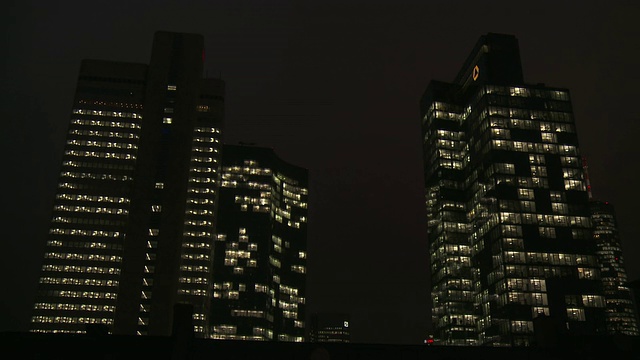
259,272
508,212
329,328
134,215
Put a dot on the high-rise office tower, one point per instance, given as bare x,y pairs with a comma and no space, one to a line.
508,213
133,219
259,266
620,310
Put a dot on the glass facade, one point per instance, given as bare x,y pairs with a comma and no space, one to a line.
260,256
134,215
80,273
508,218
136,233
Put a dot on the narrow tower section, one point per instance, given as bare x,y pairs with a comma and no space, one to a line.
621,313
259,274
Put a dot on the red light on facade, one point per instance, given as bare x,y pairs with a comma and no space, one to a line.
429,341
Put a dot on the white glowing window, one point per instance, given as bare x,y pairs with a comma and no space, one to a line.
593,300
549,137
575,314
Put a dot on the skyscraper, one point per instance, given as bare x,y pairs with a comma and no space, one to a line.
508,213
620,310
133,219
259,273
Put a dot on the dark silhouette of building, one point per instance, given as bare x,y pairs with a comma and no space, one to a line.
133,220
329,328
259,273
508,212
620,309
621,304
180,346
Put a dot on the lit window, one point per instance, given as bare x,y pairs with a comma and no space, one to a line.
575,314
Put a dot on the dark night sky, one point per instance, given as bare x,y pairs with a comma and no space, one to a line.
334,88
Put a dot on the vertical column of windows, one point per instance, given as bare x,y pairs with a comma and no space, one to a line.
620,311
194,277
446,156
289,207
148,272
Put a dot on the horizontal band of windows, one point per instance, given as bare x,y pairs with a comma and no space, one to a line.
77,144
100,155
91,209
106,123
70,320
193,292
116,165
205,149
83,257
90,219
77,281
116,104
73,307
80,294
95,198
84,232
203,159
105,134
210,130
81,269
108,113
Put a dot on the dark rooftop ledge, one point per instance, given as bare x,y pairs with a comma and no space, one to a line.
80,346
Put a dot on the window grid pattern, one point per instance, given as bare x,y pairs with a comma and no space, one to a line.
261,259
511,165
81,269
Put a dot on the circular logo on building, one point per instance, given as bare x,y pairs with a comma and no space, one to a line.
476,72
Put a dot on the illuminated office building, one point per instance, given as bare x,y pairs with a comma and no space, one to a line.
329,328
620,309
259,265
133,218
508,212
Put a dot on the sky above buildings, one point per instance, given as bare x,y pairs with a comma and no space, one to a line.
332,86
